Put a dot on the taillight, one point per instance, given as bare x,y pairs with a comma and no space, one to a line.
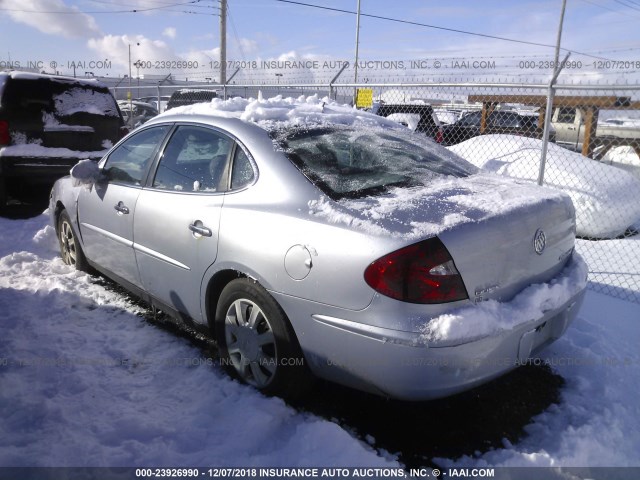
420,273
4,133
438,137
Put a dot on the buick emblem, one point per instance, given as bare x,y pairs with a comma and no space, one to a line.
539,241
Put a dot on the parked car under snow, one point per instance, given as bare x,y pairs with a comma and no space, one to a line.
311,238
47,124
605,197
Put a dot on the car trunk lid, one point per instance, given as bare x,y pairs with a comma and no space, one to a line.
490,225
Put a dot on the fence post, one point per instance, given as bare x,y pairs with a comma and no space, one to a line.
547,118
333,80
549,111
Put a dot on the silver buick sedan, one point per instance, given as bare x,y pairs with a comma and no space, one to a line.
313,239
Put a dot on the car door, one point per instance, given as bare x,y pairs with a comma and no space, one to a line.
106,211
177,216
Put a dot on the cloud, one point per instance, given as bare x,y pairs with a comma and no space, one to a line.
248,46
116,49
71,25
169,32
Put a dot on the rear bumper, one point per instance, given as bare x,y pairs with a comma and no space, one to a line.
343,347
389,365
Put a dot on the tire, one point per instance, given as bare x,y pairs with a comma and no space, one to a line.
256,342
70,249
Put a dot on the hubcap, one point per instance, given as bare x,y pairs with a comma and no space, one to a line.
250,342
68,244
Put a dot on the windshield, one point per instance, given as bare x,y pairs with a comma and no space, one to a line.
351,162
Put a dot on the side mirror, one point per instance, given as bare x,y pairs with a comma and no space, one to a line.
86,173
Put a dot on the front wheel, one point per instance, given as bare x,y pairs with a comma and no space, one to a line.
70,249
257,342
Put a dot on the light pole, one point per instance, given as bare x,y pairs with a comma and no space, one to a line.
129,92
223,42
138,64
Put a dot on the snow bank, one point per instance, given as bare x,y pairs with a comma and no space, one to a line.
493,317
87,382
605,198
624,157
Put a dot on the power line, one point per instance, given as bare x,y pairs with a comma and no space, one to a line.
465,32
627,5
608,8
80,12
164,4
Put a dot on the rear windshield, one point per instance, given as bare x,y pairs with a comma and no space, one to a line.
60,98
189,97
351,163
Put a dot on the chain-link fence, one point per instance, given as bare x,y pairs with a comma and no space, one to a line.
593,154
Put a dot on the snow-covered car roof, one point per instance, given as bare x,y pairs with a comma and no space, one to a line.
17,75
278,112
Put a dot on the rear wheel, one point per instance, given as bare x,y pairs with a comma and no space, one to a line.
70,248
257,342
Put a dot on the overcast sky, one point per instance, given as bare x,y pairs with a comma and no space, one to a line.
64,31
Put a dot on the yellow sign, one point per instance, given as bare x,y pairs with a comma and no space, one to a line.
364,98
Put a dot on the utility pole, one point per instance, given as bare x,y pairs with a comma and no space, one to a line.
223,42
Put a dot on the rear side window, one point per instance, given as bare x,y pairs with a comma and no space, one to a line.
129,161
242,173
3,80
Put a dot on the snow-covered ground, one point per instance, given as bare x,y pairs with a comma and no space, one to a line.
85,381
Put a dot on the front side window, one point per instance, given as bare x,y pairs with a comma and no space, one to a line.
471,119
129,161
348,162
504,119
194,160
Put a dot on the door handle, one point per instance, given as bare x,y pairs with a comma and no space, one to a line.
121,208
200,229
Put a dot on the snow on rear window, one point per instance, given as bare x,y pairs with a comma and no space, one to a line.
354,162
86,100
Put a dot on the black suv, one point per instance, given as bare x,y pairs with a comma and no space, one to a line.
499,121
426,121
187,96
48,124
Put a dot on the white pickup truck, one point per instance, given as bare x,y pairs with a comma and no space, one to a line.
569,123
